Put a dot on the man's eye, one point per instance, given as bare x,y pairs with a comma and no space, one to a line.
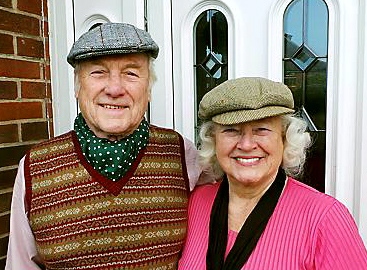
97,72
131,73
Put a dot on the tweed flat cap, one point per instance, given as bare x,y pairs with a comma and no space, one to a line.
244,100
112,38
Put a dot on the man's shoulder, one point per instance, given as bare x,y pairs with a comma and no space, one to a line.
164,133
153,127
62,139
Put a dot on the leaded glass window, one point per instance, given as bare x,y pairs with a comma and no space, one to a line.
211,52
305,72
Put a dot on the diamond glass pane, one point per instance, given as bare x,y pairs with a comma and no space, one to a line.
303,58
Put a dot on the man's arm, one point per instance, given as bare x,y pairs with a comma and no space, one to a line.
22,251
196,175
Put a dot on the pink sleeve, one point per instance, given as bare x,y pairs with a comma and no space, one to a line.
338,243
196,174
21,249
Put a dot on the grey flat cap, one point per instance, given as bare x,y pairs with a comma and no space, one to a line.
245,99
112,38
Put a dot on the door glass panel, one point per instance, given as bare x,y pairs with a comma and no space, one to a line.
316,21
292,27
315,99
211,53
305,72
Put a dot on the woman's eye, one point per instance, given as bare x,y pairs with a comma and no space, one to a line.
230,131
262,130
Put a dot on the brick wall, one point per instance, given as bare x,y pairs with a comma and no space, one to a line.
25,93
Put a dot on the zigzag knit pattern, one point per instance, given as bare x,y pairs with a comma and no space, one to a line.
81,220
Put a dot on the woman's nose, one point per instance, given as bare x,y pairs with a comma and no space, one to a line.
246,141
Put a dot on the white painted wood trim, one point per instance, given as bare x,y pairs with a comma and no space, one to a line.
159,27
185,100
61,39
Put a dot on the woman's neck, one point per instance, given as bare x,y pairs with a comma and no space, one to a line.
241,203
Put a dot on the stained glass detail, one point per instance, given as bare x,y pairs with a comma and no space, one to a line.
305,72
211,52
303,58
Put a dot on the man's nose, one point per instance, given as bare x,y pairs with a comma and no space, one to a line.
115,85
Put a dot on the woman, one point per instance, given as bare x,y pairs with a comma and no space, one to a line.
259,216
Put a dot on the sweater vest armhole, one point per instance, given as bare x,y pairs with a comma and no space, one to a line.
183,162
27,183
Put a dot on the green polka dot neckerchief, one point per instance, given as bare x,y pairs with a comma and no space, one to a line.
111,158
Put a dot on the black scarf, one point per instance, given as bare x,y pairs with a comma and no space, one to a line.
250,232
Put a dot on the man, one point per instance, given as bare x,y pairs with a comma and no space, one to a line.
112,193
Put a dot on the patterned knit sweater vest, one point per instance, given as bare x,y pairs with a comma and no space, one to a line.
81,220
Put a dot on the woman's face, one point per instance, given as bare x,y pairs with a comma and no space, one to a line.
250,153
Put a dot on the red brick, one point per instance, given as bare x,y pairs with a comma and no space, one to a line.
34,131
10,156
49,110
3,248
12,68
5,200
8,90
9,133
7,178
46,72
6,44
51,128
2,263
33,90
48,90
31,6
4,224
19,23
6,3
45,8
20,110
47,49
30,47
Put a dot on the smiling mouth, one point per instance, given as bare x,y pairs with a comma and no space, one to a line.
113,107
247,160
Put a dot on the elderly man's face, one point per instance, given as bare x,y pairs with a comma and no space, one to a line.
113,93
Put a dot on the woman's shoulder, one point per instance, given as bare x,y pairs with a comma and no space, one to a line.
303,192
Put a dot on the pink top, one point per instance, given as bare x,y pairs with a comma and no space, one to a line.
308,230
